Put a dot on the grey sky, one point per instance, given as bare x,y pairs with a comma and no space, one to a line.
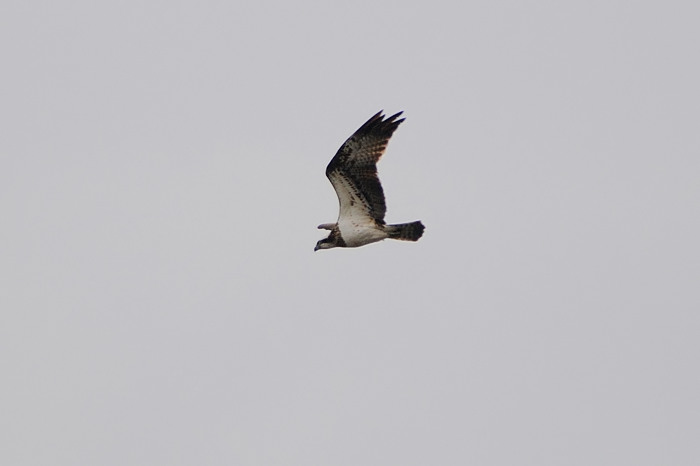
162,175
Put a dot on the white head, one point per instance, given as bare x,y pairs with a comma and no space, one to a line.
325,243
332,240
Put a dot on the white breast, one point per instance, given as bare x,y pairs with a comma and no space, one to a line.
356,233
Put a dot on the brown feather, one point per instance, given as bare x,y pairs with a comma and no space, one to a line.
356,161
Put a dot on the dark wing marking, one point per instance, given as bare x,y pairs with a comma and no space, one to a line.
353,170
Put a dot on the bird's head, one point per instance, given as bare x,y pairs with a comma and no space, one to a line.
325,243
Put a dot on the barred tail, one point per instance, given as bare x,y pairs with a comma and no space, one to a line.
406,231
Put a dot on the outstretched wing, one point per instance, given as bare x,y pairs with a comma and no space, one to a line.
353,170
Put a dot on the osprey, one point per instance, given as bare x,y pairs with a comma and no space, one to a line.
353,174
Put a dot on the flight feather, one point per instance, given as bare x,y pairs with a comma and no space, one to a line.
354,166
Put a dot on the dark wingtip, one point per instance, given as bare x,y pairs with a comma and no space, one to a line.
395,116
379,118
392,120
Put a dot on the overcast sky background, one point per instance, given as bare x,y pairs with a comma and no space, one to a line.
162,176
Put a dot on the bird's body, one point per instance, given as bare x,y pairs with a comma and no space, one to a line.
353,174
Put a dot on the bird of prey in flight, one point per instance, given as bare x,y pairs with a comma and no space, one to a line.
353,174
